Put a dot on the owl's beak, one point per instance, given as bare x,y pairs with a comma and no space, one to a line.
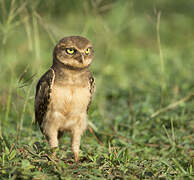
80,59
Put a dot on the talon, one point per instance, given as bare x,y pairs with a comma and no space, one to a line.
54,151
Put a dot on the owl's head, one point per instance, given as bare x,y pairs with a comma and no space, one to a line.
75,52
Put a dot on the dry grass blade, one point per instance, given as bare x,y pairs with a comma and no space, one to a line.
23,73
161,57
28,80
27,25
46,27
173,105
93,133
3,10
36,37
24,108
15,11
8,106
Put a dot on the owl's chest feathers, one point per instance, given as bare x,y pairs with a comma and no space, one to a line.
70,95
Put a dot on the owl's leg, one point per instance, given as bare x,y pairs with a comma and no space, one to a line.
76,133
52,139
51,136
75,143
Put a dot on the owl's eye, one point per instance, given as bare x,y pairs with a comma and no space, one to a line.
87,51
70,51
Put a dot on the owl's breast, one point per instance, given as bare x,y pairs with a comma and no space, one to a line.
70,99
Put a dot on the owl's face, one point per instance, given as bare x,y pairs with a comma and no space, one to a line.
74,52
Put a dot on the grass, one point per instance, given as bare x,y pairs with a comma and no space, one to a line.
142,111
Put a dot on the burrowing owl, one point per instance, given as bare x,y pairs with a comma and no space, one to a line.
64,92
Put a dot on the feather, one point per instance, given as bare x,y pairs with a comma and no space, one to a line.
43,95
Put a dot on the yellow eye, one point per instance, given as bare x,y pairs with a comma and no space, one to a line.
87,51
70,51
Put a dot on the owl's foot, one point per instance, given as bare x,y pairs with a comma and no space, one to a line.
76,157
54,152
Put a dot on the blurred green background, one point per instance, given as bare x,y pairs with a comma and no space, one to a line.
144,61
